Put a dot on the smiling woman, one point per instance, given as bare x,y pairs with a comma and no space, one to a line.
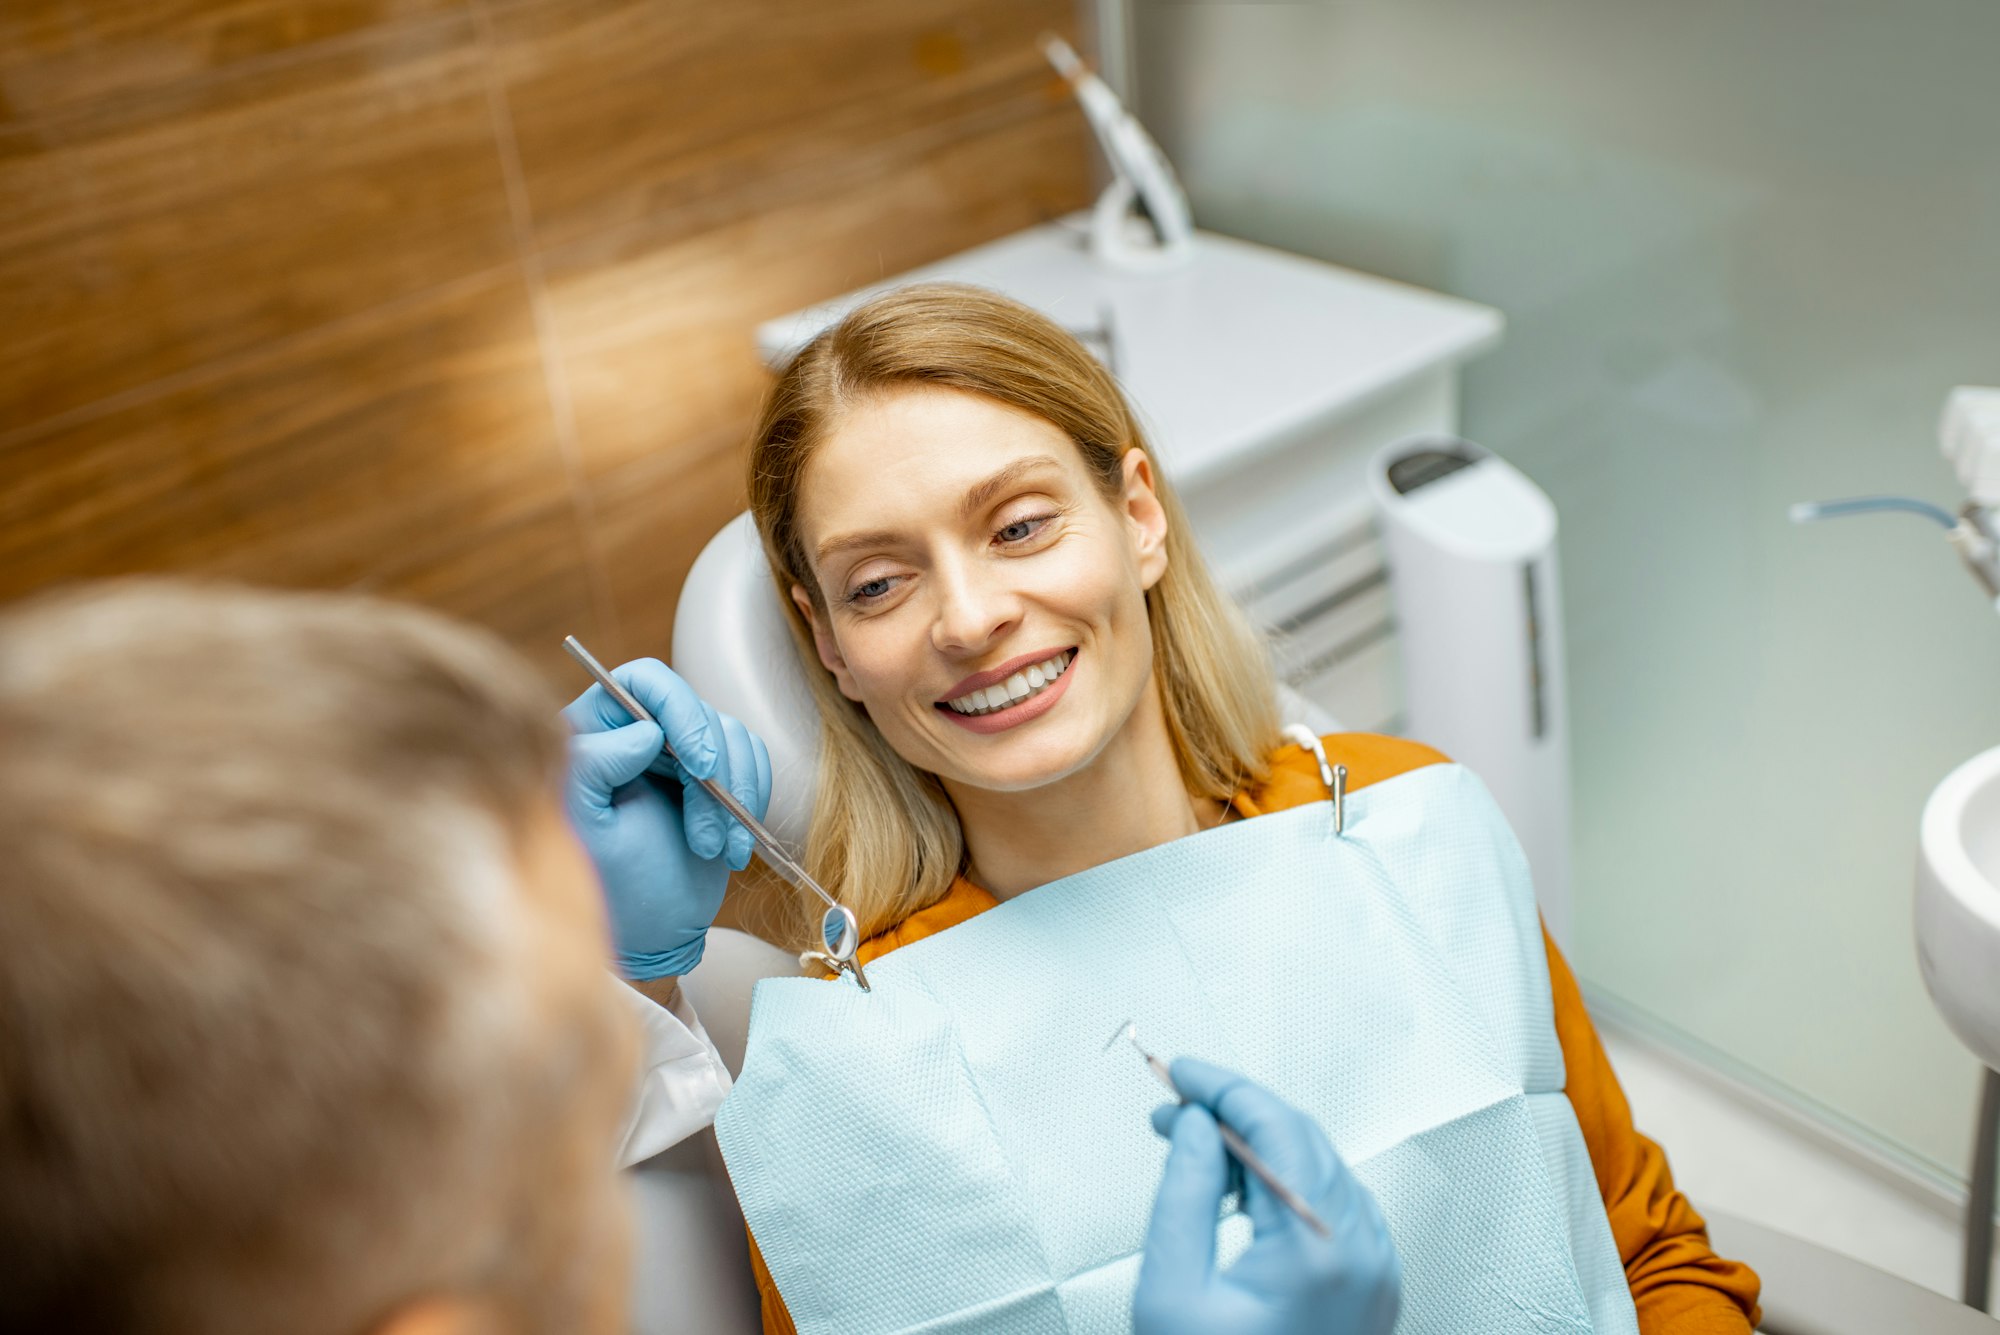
1025,674
1022,664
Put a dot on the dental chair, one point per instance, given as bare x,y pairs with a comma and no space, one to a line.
691,1262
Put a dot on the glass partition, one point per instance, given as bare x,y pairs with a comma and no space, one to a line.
1744,251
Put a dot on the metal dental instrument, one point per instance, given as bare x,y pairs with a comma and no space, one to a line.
837,927
1237,1145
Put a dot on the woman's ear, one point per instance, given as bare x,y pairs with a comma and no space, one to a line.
829,651
1146,517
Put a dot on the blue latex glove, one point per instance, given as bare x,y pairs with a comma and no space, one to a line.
1291,1281
663,847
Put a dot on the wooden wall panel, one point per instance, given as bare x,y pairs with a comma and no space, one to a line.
631,110
158,233
63,53
454,299
652,331
315,464
645,519
525,576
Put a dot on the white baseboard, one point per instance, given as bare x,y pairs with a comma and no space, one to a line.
1763,1151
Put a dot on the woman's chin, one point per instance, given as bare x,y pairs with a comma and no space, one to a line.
1025,779
1019,762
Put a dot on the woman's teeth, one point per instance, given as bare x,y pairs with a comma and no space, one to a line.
1026,682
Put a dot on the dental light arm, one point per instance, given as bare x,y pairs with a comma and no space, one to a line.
1970,438
1141,220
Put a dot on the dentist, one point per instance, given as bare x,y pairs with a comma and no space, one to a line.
664,851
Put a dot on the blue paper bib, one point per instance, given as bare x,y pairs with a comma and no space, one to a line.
956,1151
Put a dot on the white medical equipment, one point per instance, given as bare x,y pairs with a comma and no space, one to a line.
1472,561
1958,953
1141,220
1969,434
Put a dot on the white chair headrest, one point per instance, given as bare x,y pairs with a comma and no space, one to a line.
732,645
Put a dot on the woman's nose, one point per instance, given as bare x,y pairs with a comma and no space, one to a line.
974,610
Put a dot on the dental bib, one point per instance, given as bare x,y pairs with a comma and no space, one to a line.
956,1151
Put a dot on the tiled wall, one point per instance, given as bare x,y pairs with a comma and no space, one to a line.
453,299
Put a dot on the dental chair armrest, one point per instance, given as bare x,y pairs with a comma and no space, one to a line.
719,987
1810,1290
690,1261
690,1255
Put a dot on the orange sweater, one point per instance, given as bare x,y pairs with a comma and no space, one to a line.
1679,1285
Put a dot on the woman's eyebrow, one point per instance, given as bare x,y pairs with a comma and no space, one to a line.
977,498
981,494
832,547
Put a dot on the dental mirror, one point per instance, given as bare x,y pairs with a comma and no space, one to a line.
841,935
840,932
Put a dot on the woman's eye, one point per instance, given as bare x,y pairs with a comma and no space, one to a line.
1022,529
868,590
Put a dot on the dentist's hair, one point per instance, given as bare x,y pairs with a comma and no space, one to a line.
272,1057
885,839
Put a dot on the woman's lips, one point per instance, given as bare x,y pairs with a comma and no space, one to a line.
994,676
1024,711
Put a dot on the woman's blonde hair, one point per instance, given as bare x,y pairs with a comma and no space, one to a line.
885,839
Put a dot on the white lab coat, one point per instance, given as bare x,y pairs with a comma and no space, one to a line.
681,1078
692,1271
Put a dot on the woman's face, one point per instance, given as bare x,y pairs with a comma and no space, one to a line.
982,598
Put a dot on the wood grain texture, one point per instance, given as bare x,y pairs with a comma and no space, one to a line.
630,110
525,576
288,283
145,236
652,520
664,378
57,54
656,325
337,462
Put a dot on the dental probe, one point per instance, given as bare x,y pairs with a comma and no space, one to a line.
767,843
1237,1145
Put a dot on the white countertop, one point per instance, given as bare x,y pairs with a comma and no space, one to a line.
1241,348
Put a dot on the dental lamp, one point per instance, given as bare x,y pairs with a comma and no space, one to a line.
1141,220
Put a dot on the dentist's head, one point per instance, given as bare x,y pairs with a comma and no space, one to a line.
303,1020
993,586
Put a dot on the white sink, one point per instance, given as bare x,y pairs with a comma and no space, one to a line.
1958,902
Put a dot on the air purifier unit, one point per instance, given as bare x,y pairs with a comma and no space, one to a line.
1471,548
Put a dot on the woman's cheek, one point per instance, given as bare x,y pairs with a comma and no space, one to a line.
1088,585
881,665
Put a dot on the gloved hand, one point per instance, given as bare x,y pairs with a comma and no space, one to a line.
1291,1281
663,847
